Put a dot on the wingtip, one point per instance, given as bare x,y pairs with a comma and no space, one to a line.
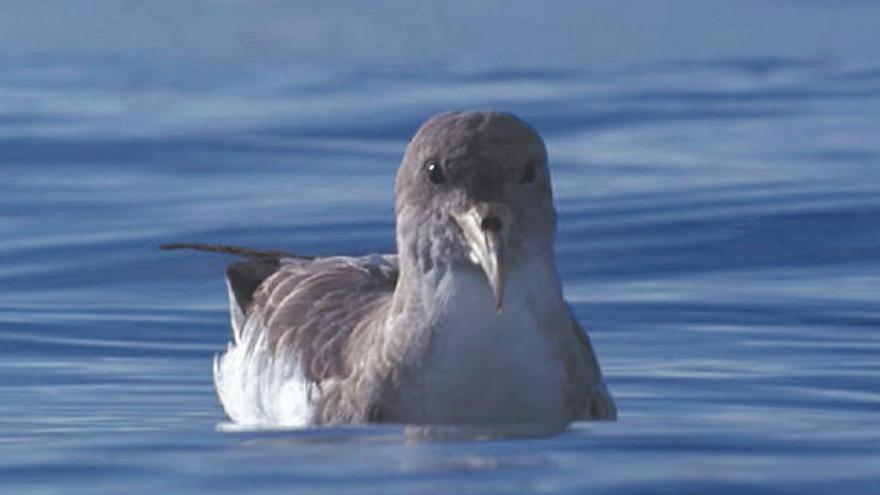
262,254
197,246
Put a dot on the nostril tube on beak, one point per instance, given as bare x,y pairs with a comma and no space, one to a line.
491,224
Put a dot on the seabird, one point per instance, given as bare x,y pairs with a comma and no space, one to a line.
465,325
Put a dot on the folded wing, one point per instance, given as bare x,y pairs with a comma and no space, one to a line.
292,325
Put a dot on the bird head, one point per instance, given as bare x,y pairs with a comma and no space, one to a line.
473,190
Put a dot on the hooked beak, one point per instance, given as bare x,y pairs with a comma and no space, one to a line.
485,229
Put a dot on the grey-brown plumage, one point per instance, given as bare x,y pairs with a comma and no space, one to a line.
465,325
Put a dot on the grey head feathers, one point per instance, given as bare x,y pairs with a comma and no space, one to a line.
483,157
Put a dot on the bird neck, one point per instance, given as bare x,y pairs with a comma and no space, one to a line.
439,289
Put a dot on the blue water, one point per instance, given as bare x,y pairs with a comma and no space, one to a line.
717,176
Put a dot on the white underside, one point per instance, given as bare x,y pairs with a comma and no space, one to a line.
255,389
486,366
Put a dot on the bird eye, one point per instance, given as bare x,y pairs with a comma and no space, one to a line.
435,173
529,174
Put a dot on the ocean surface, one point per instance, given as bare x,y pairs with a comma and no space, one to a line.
719,237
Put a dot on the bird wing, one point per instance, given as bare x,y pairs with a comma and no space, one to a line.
290,335
311,308
587,396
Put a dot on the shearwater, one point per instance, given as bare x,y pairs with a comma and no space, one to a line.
465,325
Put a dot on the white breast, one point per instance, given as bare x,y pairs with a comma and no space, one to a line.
483,366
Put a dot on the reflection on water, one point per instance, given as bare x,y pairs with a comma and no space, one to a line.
719,236
391,433
466,433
